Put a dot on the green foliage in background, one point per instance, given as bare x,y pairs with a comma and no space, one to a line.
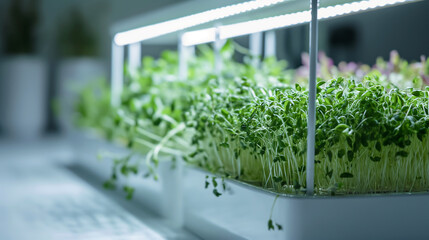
75,37
19,27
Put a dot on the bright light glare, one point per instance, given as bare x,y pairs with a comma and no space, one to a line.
199,37
354,7
239,29
261,25
155,30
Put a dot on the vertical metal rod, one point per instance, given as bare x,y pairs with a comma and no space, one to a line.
134,57
311,122
255,45
183,59
270,44
117,73
218,58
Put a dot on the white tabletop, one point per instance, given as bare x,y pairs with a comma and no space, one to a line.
41,198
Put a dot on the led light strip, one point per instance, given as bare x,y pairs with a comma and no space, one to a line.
265,24
155,30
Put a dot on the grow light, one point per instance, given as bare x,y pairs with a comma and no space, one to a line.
155,30
282,21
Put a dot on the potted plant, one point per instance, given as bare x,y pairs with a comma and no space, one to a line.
23,73
79,62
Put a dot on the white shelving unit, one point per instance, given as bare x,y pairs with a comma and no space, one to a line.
244,213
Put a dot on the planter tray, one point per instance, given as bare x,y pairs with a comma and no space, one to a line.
161,197
243,213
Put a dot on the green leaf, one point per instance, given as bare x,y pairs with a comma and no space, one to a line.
192,155
378,146
124,170
133,169
340,128
329,90
401,154
130,143
157,121
349,142
277,179
341,153
418,93
224,112
346,175
129,191
214,182
320,83
109,184
375,159
296,185
216,193
263,149
270,225
279,158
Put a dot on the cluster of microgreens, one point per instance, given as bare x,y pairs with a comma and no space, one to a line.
250,123
369,139
150,119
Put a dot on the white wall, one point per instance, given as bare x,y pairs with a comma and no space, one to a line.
403,28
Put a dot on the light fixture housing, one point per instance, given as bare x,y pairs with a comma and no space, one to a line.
182,23
282,21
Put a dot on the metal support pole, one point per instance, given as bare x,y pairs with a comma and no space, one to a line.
311,122
270,44
183,59
218,58
255,45
134,57
117,74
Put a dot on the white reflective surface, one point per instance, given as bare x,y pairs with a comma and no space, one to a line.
41,199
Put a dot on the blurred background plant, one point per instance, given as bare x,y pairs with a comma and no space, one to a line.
75,37
80,63
19,28
396,71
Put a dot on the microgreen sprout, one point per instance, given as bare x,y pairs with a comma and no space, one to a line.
369,138
271,223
